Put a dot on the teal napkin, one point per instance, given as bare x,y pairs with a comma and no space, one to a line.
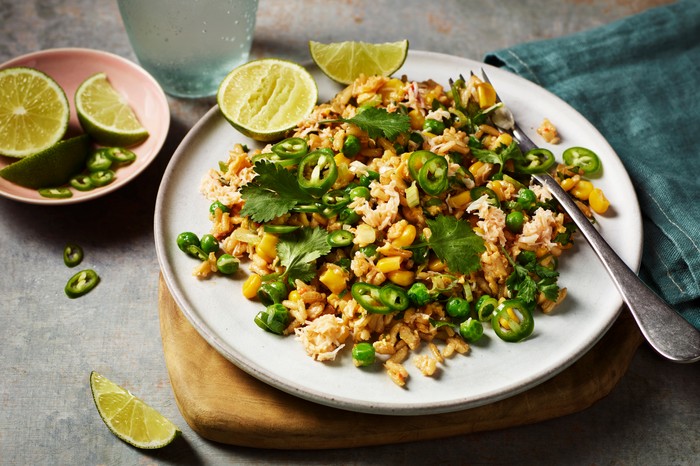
638,81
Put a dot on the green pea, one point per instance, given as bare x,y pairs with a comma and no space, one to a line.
419,295
367,178
187,239
526,198
273,319
209,244
457,307
227,264
218,205
514,221
363,354
272,292
360,191
351,146
471,329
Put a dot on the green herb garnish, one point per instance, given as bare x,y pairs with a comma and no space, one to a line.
454,242
272,193
298,251
378,122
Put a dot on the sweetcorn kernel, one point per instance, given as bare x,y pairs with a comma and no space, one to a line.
251,286
582,190
402,277
598,202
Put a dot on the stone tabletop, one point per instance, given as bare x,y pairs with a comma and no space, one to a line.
49,344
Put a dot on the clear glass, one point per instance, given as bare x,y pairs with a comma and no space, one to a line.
189,46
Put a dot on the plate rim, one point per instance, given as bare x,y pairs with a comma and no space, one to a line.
322,397
161,99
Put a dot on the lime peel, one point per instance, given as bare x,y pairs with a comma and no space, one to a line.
51,167
128,417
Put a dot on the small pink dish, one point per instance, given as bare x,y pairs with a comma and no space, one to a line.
69,67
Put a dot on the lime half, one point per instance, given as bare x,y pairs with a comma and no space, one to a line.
345,61
51,167
128,417
263,99
34,112
106,115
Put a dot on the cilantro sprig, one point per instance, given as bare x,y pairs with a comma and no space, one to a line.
378,122
273,192
529,277
499,156
454,242
299,250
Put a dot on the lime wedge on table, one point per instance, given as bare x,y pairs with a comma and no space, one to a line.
51,167
34,112
106,115
265,98
128,417
345,61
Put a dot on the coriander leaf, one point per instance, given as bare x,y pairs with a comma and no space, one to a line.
521,283
454,242
499,156
378,122
272,193
297,251
549,288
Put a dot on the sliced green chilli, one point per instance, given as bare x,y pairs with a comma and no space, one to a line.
81,283
585,159
72,254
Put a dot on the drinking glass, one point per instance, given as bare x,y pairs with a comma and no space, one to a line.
189,46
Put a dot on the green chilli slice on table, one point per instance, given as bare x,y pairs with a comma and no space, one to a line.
317,216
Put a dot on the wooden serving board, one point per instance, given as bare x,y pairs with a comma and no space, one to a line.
224,404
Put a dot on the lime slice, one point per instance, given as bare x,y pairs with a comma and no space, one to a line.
128,417
263,99
34,112
106,115
343,62
51,167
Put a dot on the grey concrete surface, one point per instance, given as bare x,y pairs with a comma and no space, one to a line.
49,344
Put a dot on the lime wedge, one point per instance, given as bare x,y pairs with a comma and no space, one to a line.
51,167
106,115
34,112
343,62
263,99
128,417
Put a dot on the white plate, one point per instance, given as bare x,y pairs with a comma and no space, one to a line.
494,369
69,67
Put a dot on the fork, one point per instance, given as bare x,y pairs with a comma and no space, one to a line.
664,329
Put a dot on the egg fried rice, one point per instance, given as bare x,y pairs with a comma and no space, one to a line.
443,221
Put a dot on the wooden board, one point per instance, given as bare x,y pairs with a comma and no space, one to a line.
224,404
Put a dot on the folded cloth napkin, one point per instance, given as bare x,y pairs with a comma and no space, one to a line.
638,81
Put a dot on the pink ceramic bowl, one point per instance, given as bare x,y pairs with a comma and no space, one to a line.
71,66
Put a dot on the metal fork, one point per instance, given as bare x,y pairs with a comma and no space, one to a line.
666,331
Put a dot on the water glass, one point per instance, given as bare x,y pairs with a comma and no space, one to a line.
189,46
